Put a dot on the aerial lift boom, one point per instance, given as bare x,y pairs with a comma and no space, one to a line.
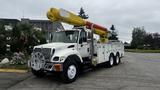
68,17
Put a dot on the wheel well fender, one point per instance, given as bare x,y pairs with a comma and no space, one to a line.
74,58
118,54
111,54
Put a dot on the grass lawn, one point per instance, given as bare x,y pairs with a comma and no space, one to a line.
142,51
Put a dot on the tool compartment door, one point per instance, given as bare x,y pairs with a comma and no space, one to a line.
107,51
101,52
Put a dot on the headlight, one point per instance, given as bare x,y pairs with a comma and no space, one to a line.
59,58
62,58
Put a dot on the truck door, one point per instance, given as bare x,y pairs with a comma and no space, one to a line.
83,46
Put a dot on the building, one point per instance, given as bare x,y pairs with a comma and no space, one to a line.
11,22
44,25
39,24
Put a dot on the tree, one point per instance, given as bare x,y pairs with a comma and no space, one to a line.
24,37
148,40
20,34
113,33
138,37
143,40
156,40
2,39
82,14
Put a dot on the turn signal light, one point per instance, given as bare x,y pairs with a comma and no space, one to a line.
58,67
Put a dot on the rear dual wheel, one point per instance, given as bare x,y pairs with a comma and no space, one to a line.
113,60
117,59
110,63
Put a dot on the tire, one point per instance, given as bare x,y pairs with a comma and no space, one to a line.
111,61
39,73
117,59
70,71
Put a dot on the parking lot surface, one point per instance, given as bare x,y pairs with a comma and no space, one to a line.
138,71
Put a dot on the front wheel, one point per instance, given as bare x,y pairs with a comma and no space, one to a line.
70,71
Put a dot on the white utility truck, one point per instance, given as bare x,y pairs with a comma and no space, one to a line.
72,51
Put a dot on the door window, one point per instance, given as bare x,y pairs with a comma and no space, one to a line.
83,37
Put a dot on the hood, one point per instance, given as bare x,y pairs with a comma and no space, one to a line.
54,45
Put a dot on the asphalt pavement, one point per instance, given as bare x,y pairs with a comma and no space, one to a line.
138,71
8,80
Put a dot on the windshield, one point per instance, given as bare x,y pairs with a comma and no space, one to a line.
65,36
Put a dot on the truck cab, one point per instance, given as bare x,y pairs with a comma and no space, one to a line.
68,46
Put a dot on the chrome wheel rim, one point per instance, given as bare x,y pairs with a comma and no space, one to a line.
37,61
71,71
117,59
111,61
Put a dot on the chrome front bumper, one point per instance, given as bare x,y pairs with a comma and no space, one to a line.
48,66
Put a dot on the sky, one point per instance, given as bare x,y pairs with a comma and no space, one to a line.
124,14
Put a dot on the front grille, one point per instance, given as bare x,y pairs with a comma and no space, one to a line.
45,51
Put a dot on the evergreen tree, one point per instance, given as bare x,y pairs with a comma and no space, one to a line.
82,14
113,33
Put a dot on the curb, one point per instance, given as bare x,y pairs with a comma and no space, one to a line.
13,70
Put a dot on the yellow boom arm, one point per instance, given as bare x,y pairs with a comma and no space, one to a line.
67,17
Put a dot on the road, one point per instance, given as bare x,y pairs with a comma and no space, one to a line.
11,79
138,71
